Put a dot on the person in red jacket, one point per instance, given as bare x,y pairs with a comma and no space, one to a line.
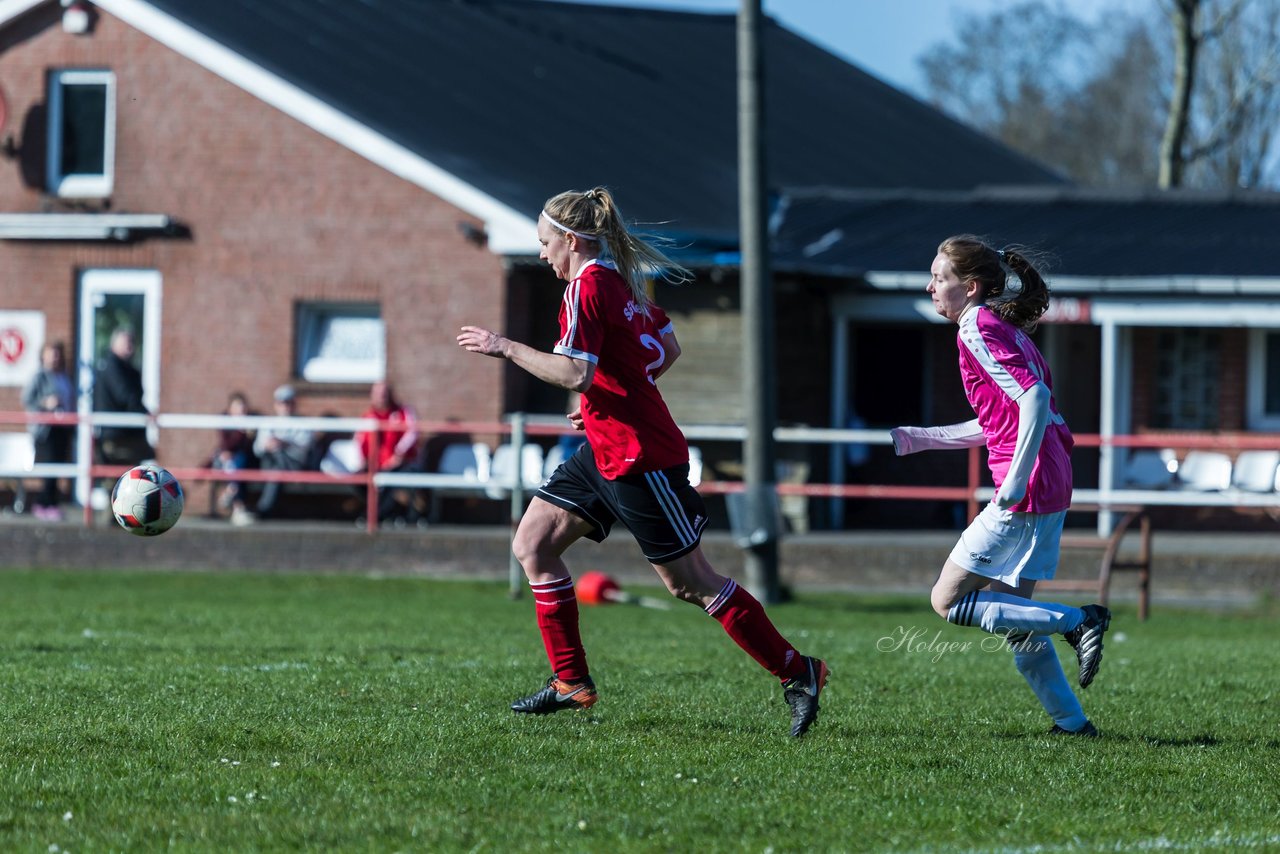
397,440
614,345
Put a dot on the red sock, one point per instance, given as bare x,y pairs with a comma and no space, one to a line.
557,608
743,617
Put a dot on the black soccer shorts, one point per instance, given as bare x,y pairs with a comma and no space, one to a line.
661,510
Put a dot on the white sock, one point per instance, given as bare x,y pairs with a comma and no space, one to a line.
1002,613
1038,662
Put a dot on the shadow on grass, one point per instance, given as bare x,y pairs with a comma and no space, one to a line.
1113,737
1202,740
849,605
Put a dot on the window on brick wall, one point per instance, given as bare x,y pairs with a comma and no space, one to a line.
1264,380
1187,380
82,131
341,342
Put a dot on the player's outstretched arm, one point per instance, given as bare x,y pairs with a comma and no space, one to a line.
572,374
911,440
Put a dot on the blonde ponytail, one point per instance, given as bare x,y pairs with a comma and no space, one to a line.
594,215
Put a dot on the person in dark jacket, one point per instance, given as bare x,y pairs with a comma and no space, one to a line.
117,387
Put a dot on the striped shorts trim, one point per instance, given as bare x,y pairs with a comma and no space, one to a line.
660,509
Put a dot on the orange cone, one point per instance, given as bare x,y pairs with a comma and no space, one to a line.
596,588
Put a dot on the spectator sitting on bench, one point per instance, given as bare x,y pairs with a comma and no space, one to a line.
235,453
282,449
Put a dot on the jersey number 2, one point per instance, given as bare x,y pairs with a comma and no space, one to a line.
651,343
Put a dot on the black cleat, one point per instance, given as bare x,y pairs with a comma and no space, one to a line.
1087,731
558,696
801,694
1086,639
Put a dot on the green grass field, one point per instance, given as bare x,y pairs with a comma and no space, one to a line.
256,712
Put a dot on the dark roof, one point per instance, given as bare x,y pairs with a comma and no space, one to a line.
523,99
1086,232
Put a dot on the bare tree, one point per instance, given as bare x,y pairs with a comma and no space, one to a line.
1184,95
1030,76
1112,124
1187,37
1230,129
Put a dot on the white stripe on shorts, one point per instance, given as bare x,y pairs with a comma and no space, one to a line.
671,507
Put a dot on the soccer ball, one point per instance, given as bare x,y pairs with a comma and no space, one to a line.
147,500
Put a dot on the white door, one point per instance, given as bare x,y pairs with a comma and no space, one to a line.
110,299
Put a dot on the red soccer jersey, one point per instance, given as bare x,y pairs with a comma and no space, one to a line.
628,425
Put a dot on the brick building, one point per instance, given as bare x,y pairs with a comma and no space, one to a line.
281,190
1163,323
321,193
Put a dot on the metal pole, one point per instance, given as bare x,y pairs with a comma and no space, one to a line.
514,571
1107,421
370,486
758,390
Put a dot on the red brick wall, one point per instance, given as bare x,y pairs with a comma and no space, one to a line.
1232,394
278,214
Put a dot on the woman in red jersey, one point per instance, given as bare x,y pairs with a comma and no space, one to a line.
614,344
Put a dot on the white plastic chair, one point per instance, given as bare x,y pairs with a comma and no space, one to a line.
1257,471
555,456
502,473
17,457
1205,471
342,457
469,459
1146,469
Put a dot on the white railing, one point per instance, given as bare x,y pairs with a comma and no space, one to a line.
520,428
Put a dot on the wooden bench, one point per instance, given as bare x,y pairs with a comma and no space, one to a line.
1111,562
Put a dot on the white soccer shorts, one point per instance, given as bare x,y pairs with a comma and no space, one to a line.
1009,547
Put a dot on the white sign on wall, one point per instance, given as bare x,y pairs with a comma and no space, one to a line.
21,337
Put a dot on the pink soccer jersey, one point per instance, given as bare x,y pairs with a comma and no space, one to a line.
998,363
628,425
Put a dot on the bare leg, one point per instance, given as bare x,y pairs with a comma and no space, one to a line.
545,532
953,584
691,578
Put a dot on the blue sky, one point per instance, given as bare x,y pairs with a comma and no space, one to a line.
883,37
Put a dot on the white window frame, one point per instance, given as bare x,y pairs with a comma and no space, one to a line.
311,322
81,185
95,285
1256,416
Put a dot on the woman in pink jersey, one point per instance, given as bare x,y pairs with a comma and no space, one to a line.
992,572
634,468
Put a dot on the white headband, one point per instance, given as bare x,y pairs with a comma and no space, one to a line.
580,234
